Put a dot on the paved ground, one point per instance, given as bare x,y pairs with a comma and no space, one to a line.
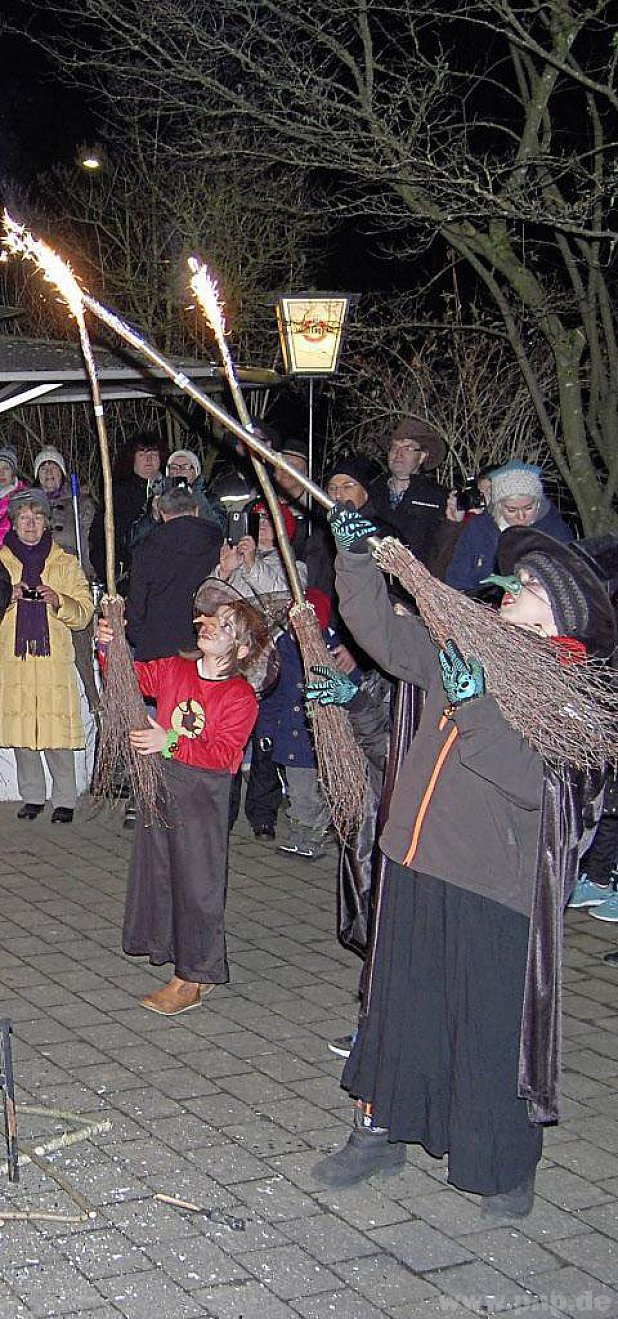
227,1106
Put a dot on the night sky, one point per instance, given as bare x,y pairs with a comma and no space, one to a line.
41,122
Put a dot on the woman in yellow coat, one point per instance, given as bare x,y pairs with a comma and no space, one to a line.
39,697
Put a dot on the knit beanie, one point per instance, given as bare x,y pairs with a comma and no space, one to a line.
288,516
515,480
568,601
190,457
8,455
49,455
359,469
298,447
30,495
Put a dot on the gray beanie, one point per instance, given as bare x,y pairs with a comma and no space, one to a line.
515,480
8,455
568,601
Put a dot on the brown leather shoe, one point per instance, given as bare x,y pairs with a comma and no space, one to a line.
176,997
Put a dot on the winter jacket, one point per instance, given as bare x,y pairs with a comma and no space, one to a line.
418,514
480,829
63,524
129,501
209,509
5,498
477,548
39,699
475,805
283,713
166,570
266,577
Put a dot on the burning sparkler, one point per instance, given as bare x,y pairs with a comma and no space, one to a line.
123,707
342,766
581,686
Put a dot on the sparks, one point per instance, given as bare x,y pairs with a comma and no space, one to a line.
19,241
207,293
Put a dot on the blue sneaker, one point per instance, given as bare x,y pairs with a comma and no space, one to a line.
588,894
608,910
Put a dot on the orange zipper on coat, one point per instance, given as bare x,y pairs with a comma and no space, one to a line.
429,790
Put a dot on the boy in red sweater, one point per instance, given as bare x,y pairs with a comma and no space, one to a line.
206,709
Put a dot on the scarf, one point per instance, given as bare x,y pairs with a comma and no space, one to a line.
31,629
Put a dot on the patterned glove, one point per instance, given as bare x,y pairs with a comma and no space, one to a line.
330,687
462,679
350,528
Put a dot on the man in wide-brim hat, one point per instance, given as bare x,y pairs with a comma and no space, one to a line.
407,496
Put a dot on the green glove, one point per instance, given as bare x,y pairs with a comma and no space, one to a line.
350,528
330,687
463,680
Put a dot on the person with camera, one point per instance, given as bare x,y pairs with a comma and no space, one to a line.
252,564
408,497
183,469
40,712
517,500
463,502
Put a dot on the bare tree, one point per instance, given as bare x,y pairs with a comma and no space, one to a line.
486,126
127,232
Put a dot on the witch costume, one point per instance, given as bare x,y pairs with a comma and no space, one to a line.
458,1041
175,902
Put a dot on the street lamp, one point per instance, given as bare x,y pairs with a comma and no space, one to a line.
311,329
91,158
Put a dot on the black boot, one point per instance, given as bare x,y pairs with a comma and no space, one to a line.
511,1204
366,1152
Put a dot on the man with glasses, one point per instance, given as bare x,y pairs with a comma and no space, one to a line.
406,496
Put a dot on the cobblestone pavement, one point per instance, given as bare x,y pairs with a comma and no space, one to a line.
228,1106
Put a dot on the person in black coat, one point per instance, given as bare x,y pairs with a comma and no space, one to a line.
408,498
138,463
180,552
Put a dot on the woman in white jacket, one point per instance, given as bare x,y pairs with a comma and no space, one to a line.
256,567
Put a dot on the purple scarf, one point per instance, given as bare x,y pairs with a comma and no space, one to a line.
31,630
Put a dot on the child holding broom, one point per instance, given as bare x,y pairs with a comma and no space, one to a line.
206,709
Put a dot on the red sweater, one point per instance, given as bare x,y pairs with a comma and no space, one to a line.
214,716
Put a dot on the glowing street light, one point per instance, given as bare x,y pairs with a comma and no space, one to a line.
91,158
311,327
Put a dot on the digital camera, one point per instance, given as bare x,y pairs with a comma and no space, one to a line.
159,485
469,496
241,522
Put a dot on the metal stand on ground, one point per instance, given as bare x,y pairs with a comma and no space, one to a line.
7,1085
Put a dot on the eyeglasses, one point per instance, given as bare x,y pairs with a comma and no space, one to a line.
402,447
335,489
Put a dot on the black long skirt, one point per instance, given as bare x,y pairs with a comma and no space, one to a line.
437,1053
175,904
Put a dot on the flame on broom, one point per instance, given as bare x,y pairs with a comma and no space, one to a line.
55,271
122,706
342,765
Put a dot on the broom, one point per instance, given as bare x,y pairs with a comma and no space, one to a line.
342,765
122,707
